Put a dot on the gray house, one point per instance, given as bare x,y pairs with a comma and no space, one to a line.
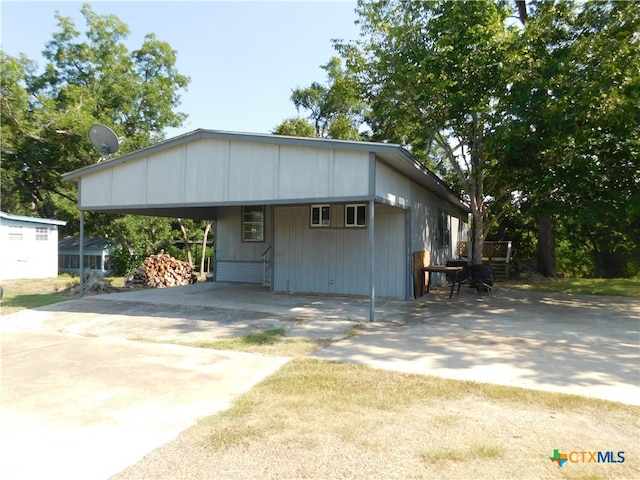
299,214
96,251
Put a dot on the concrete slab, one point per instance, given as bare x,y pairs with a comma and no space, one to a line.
200,312
574,344
82,400
83,408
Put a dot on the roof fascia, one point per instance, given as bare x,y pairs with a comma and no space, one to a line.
20,218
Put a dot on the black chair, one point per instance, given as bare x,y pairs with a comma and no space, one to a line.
482,277
462,277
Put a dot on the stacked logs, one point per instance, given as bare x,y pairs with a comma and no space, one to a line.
160,271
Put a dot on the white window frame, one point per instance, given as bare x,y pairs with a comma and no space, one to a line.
321,222
42,234
248,226
355,223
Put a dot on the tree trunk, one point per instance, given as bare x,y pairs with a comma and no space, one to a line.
204,246
522,11
546,246
187,245
478,237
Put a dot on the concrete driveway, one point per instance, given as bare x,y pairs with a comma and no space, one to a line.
574,344
82,399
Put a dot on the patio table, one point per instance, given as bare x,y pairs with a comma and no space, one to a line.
440,269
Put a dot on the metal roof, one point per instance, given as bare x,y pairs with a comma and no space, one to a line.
393,154
20,218
89,242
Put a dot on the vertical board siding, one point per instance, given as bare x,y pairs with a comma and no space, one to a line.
97,189
238,261
217,171
336,260
244,272
392,186
207,171
350,174
28,257
425,208
165,177
251,171
304,172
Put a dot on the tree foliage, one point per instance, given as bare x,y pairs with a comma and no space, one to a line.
295,127
538,119
431,72
90,77
335,109
570,131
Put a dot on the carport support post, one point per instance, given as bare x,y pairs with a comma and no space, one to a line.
372,293
81,260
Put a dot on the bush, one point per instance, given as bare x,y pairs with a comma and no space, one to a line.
122,262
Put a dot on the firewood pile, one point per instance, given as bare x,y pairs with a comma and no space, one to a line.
160,271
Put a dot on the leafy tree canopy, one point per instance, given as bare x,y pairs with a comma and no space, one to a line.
90,77
537,119
335,109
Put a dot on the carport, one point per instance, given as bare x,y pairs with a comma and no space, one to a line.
301,215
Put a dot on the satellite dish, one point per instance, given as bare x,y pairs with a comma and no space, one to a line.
104,139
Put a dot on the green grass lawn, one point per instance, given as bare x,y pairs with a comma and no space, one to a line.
625,287
32,293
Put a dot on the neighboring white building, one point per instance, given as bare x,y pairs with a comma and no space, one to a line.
28,247
300,214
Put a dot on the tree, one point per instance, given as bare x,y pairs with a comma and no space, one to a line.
335,109
431,72
295,127
569,134
89,78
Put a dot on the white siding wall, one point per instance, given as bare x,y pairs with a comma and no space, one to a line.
425,210
27,257
206,172
336,259
392,187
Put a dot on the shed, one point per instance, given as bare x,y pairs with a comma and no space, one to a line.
28,247
299,214
96,251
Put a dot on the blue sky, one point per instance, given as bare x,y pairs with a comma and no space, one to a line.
244,58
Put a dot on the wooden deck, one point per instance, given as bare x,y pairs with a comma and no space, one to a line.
495,254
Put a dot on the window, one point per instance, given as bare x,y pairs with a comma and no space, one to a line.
92,262
42,233
320,216
355,215
15,232
253,224
444,229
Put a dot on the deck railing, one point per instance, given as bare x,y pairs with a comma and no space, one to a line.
495,254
